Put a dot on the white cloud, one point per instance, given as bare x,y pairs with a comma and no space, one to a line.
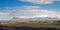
38,1
27,11
4,16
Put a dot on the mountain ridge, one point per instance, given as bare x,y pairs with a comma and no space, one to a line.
34,19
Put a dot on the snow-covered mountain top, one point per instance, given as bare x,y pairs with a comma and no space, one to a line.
33,19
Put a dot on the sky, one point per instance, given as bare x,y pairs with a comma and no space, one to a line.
29,8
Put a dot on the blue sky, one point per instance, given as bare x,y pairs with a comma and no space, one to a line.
14,4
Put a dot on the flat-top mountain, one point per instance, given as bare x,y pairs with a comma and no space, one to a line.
34,19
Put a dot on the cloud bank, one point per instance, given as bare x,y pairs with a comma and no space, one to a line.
35,11
26,12
4,16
